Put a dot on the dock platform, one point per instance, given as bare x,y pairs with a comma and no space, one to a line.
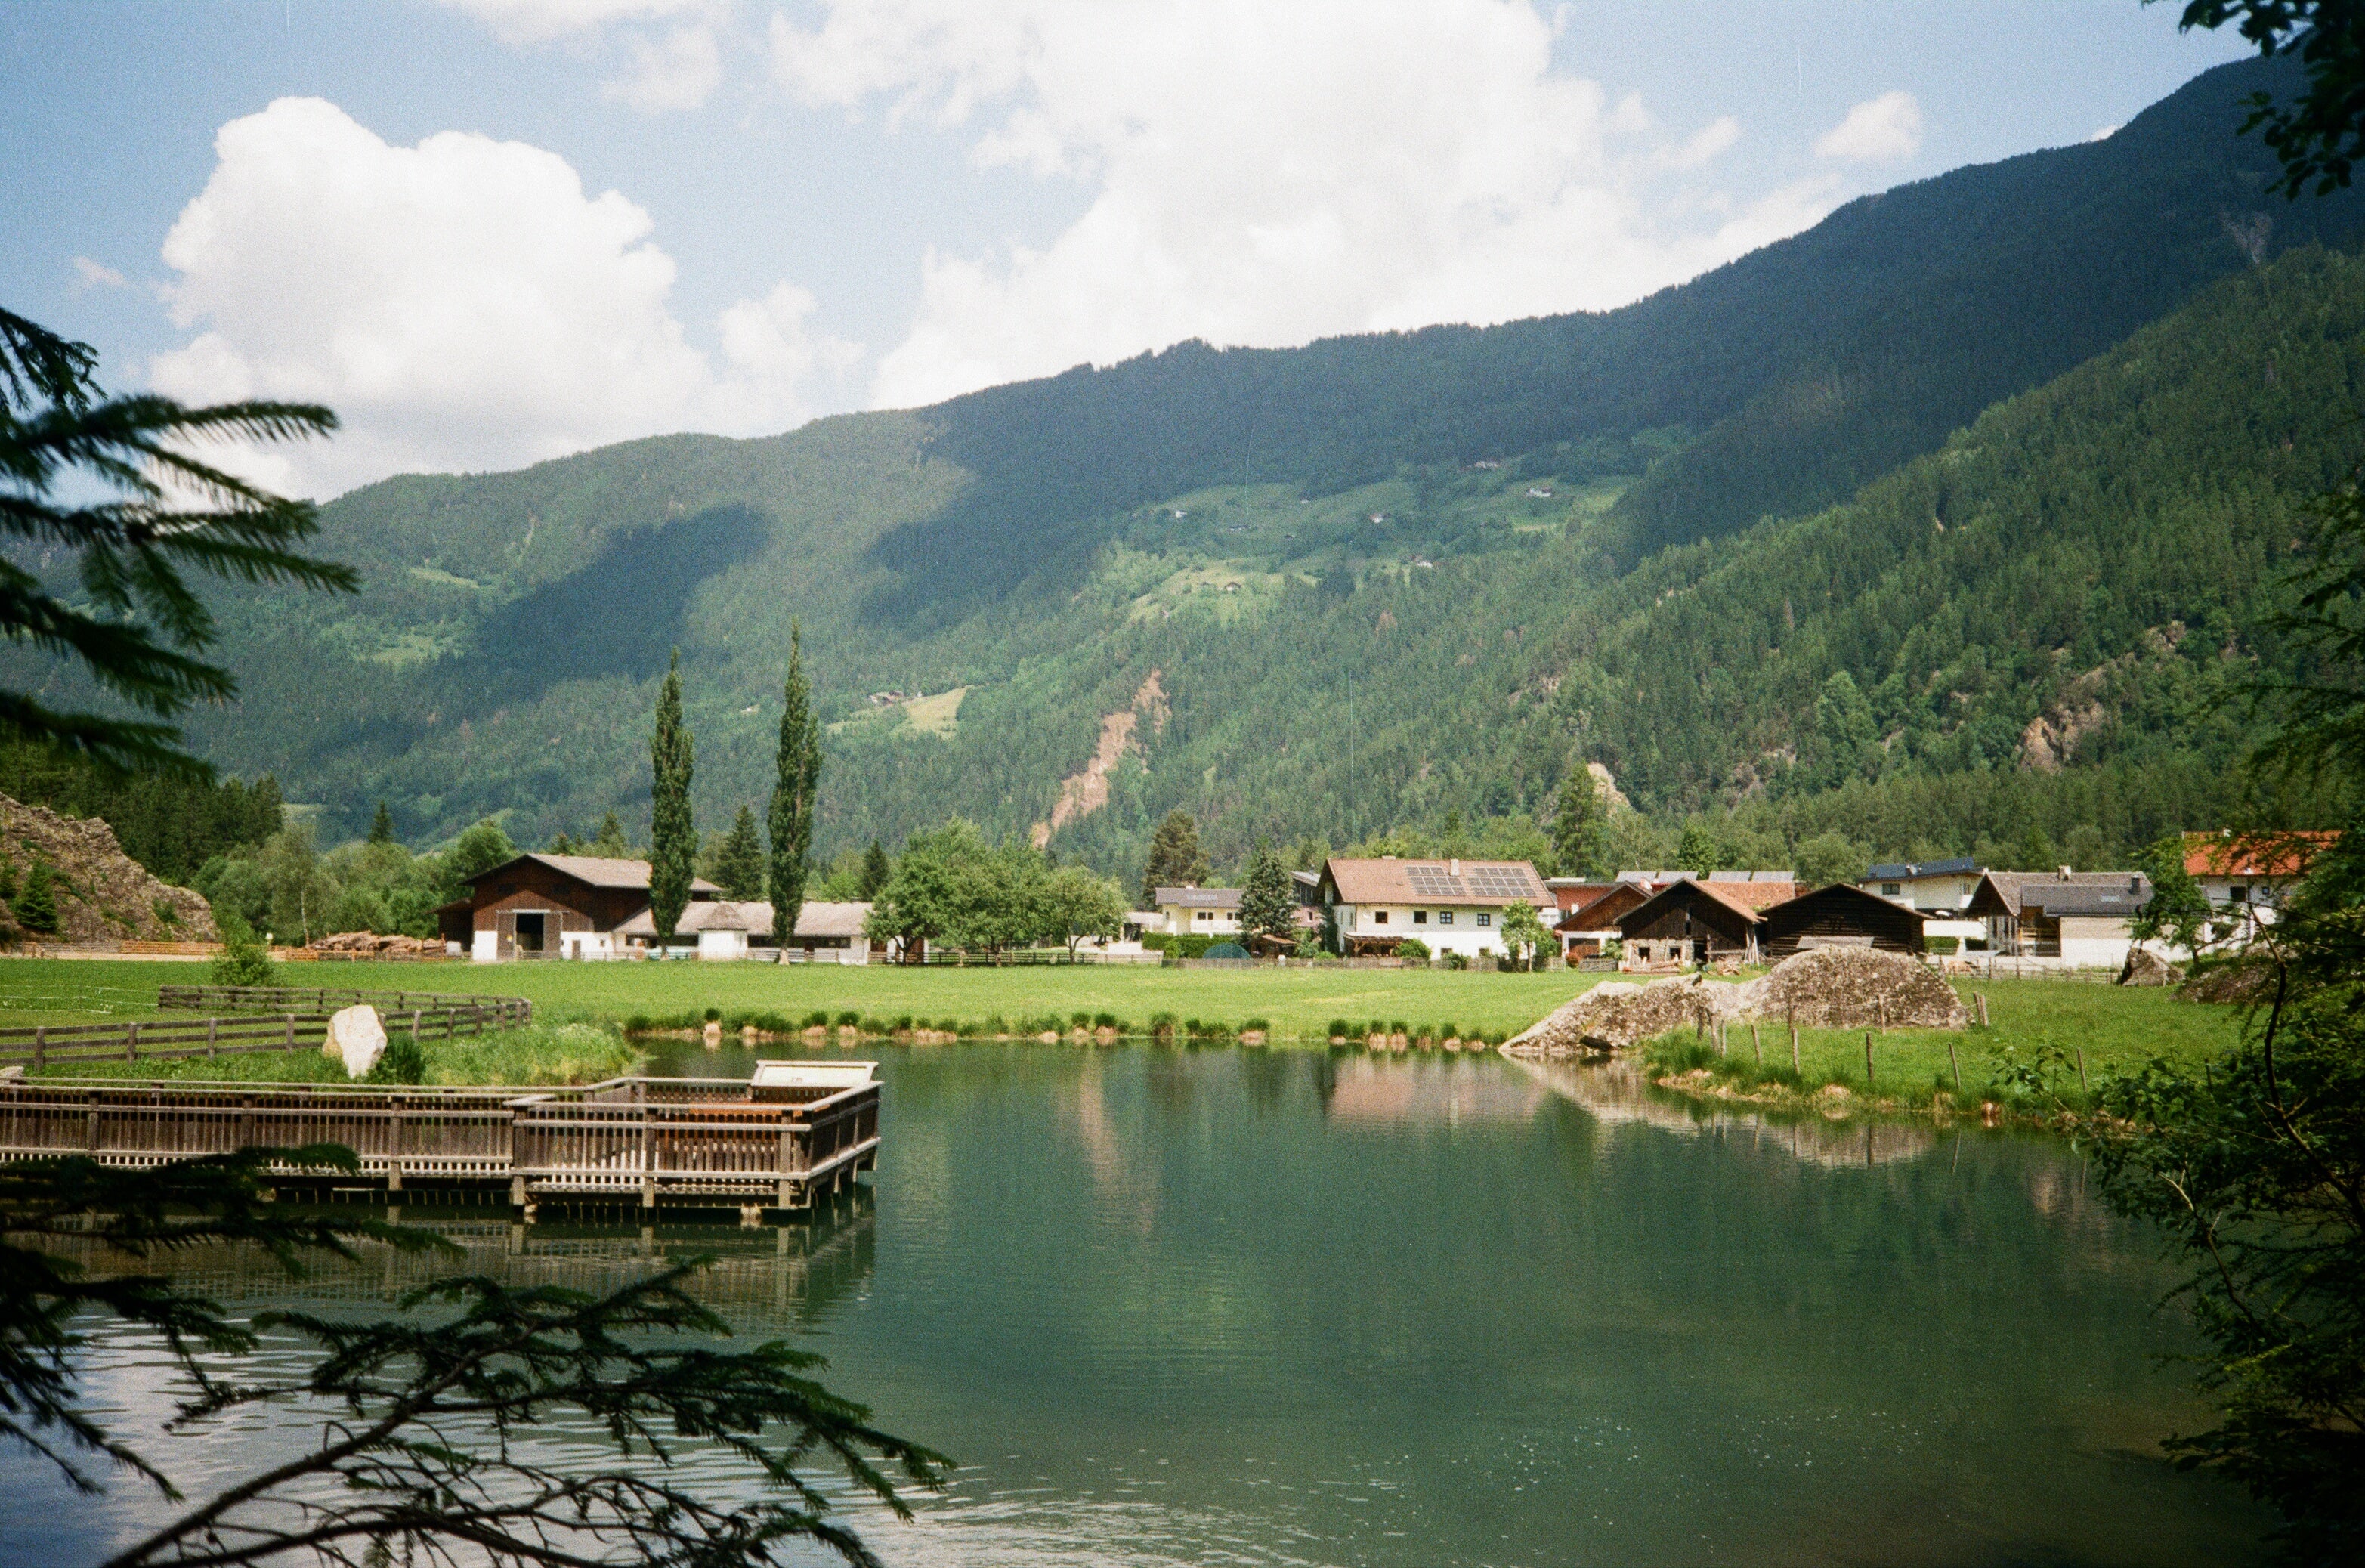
771,1147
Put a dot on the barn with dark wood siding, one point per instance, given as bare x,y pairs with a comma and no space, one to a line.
1689,923
1841,915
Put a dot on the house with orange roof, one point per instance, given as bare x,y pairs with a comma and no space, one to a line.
2247,876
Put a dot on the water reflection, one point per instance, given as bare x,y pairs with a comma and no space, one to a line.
1286,1307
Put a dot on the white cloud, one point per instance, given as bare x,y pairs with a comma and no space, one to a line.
1268,173
1879,130
90,274
676,71
461,304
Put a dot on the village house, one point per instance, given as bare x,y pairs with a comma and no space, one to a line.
1689,922
1448,906
2081,917
2245,876
1939,888
1588,913
825,932
551,906
1841,916
1202,912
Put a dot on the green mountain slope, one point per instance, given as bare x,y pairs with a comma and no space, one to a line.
1389,577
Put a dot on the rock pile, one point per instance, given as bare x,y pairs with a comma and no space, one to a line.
102,895
1833,987
370,944
2145,967
1857,988
2238,982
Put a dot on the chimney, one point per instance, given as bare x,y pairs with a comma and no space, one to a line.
2064,873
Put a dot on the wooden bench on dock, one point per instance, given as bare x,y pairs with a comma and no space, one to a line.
796,1135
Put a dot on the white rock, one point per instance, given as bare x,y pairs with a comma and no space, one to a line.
357,1038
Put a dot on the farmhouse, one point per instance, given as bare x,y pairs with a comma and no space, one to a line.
825,932
550,906
1448,906
1692,922
1841,916
1208,911
2083,917
2245,876
1934,886
1588,913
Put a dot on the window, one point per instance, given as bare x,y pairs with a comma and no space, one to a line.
1379,917
2239,893
1444,917
1420,917
1484,921
1890,889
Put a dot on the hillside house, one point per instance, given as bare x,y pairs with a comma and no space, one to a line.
2081,917
1691,922
1450,906
1203,912
1841,916
553,906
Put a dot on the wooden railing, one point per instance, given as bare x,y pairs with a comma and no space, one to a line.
650,1141
265,1018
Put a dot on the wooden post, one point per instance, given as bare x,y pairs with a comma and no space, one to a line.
213,1027
414,1027
1755,1049
131,1042
2082,1087
291,1031
1794,1042
1880,1012
1719,1036
1957,1063
40,1048
1868,1060
1981,998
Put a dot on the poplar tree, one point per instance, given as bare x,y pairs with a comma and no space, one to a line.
1577,825
673,844
792,794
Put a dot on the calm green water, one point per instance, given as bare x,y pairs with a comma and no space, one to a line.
1285,1307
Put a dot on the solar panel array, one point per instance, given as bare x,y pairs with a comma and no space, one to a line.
1433,882
1502,882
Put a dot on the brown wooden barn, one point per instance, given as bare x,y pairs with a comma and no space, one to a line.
1589,918
530,905
1689,923
1841,915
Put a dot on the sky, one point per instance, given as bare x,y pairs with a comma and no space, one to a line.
490,232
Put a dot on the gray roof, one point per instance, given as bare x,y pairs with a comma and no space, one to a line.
1753,876
1200,898
1905,870
2079,892
753,915
598,872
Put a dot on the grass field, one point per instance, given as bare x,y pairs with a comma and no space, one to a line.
1298,1003
2116,1029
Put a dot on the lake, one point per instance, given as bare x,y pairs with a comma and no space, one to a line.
1269,1307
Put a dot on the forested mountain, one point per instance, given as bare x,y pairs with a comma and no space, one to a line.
1735,541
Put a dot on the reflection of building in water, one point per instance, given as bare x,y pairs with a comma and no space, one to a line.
1619,1091
1429,1089
809,1267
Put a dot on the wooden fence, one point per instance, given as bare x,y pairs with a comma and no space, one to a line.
264,1018
650,1142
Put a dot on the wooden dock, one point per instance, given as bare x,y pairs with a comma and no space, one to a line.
795,1136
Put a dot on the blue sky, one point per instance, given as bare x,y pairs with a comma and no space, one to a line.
490,231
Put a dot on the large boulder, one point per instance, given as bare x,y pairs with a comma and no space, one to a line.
1857,988
2242,981
2145,967
355,1038
1618,1014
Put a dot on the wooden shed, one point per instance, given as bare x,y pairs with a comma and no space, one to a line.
1689,923
1841,916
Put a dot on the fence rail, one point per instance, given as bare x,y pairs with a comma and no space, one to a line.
264,1018
650,1141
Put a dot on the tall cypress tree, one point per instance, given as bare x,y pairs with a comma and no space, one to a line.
799,780
673,844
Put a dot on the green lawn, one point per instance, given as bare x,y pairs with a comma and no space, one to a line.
1299,1003
2117,1029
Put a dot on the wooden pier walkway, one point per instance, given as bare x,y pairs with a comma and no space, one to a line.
797,1134
260,1018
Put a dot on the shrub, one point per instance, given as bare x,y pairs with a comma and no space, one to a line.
714,1016
850,1020
1400,1027
1341,1028
1413,947
902,1025
1161,1025
402,1062
1946,945
1256,1025
242,960
1104,1020
949,1025
995,1024
1456,962
1449,1031
1079,1021
817,1019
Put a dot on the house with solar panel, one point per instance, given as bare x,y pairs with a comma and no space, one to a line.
1450,906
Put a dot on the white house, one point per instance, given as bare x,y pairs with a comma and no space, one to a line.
1934,886
825,932
2245,876
1204,912
1448,906
2081,917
